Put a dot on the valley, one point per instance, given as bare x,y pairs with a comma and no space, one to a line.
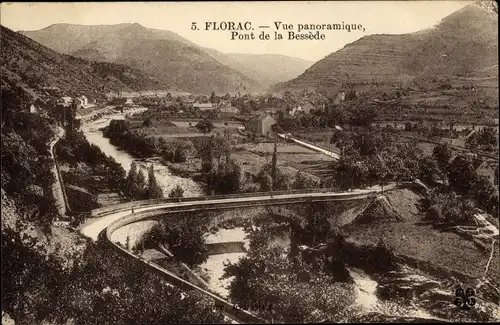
147,179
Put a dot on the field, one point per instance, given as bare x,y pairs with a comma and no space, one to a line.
180,128
189,124
291,158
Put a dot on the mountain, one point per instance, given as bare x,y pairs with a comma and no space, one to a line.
30,66
463,44
171,58
270,68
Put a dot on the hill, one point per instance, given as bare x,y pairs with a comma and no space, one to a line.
31,66
462,45
268,69
171,58
271,68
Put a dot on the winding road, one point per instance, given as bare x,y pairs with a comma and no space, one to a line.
57,187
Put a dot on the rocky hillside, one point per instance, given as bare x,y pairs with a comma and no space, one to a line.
171,58
462,45
31,66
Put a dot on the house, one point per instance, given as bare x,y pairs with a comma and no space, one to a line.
458,143
229,109
454,142
226,107
262,125
339,98
487,171
308,107
66,101
129,101
204,106
32,108
84,100
79,102
52,90
110,95
294,111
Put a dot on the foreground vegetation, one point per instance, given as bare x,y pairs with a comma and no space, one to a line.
50,274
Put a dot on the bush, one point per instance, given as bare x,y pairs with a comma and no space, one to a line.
176,192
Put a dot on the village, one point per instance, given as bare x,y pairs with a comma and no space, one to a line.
253,120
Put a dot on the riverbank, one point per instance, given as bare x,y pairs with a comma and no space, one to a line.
166,179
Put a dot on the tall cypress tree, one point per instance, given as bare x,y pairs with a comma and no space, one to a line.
154,190
131,180
140,189
273,166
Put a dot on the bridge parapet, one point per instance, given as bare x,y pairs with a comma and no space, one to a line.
275,194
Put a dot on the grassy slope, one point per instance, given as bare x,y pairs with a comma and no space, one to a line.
423,242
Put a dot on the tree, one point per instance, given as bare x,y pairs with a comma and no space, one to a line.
267,276
429,170
483,189
116,175
147,122
205,126
225,177
131,181
180,154
377,170
304,182
273,166
461,174
264,179
177,191
363,116
339,138
154,190
442,153
212,98
187,241
317,227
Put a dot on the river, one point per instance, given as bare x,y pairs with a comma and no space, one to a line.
165,179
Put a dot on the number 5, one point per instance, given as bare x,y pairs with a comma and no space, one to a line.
193,26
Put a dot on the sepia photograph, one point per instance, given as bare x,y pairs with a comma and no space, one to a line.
249,162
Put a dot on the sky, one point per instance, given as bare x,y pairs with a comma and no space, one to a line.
376,17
